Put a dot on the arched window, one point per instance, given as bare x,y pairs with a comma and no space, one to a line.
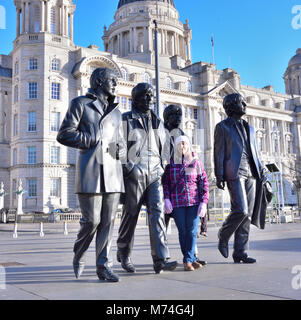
147,78
169,83
124,74
189,86
52,20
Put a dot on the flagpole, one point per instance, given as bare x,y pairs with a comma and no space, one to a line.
212,48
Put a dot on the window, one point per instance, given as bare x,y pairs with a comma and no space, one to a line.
32,188
147,78
16,67
55,121
124,74
276,145
52,20
123,102
130,104
14,188
31,155
16,93
55,64
195,114
289,127
14,156
55,91
54,155
15,124
32,90
33,64
262,123
189,86
289,144
32,121
169,84
55,187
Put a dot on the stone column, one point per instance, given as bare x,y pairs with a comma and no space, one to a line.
150,39
42,16
177,51
145,47
47,20
118,45
121,44
163,41
2,126
71,26
163,32
188,49
282,142
2,194
27,17
62,20
135,40
65,21
18,23
131,40
269,142
23,17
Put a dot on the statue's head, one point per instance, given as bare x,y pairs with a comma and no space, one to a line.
142,97
172,116
104,80
234,105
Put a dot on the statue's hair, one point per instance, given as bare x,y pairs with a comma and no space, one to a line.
170,109
98,76
230,102
140,89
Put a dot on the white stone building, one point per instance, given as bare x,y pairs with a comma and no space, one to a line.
45,70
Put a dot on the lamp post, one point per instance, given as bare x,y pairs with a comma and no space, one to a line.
157,70
157,63
277,138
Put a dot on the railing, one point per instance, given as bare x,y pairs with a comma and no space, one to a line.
74,216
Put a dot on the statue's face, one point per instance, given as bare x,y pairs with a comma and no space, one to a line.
174,119
109,84
240,106
144,101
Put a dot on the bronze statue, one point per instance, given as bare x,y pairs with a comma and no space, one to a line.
93,125
145,138
237,163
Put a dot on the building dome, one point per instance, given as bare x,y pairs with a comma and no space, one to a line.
124,2
295,59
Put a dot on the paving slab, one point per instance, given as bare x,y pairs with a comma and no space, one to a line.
40,268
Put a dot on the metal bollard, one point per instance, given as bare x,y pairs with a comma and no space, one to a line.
42,229
15,234
65,228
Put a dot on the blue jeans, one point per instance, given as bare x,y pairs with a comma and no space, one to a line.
187,221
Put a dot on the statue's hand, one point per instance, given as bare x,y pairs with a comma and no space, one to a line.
220,184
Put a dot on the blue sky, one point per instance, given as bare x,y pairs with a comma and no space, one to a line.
256,38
